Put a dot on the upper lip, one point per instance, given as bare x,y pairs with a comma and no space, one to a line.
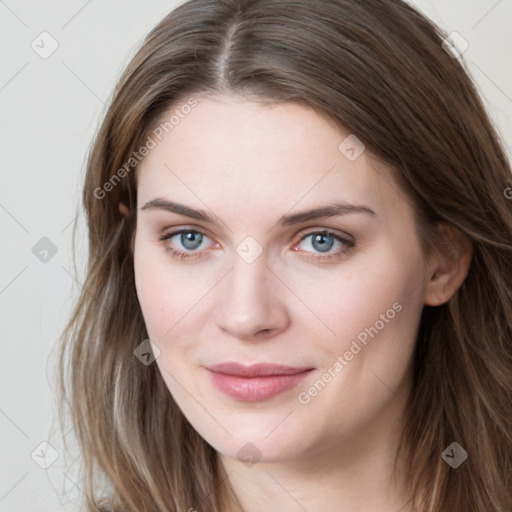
255,370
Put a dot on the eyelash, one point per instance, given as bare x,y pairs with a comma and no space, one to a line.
182,255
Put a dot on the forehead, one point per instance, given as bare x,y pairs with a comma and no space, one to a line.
235,152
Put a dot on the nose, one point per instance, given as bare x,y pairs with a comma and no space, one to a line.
252,304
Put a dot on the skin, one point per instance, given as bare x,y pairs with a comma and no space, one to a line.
249,164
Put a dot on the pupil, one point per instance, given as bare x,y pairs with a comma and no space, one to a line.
191,240
321,239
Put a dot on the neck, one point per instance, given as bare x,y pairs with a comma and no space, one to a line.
356,475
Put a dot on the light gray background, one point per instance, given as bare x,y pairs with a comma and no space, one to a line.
50,110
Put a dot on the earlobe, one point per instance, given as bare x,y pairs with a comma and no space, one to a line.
123,209
448,267
125,212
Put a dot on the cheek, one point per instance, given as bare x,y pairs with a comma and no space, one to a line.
351,300
170,295
156,293
375,316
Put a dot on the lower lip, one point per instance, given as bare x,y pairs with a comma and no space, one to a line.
256,389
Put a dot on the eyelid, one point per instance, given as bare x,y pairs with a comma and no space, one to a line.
169,232
347,244
301,235
185,229
331,231
344,238
184,256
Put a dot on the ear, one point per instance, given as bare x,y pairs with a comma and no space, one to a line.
123,209
448,266
125,212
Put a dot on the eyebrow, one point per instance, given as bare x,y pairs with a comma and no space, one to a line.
329,210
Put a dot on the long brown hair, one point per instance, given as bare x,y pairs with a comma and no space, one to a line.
377,68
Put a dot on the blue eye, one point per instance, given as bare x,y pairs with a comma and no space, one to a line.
189,239
191,244
322,242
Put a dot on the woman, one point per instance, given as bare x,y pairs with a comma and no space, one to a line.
298,291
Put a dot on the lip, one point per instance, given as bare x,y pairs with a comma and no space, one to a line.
256,382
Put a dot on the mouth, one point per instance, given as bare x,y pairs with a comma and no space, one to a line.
255,383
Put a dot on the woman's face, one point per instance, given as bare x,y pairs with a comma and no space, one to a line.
289,247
